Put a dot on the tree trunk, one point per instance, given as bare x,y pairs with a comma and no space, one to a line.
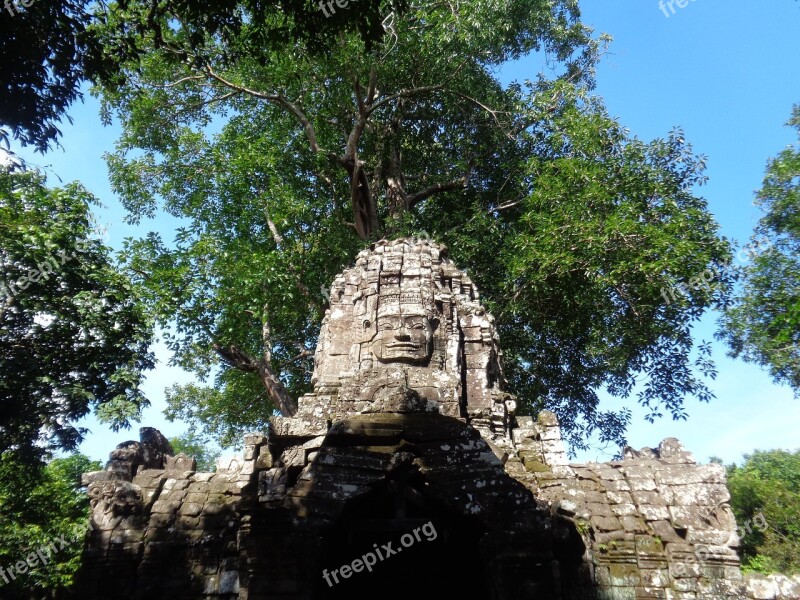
239,359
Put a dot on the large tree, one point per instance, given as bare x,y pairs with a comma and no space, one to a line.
283,164
72,336
765,496
762,325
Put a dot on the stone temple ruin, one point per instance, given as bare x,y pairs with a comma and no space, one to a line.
408,430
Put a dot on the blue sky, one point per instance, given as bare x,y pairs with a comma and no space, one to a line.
727,73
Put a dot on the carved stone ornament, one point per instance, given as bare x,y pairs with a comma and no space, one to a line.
406,332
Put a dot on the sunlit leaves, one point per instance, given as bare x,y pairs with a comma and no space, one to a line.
763,323
73,335
765,497
40,505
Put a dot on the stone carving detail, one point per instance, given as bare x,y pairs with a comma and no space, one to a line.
408,396
405,332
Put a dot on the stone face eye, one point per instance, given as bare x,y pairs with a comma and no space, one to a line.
415,323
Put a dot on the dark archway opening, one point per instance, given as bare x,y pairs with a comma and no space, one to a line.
432,551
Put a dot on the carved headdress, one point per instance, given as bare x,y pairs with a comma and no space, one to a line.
404,317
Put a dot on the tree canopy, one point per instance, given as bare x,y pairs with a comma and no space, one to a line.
46,51
40,506
765,497
762,324
283,164
72,335
52,47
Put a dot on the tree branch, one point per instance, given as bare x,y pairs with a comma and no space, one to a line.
487,109
278,239
266,334
418,197
303,354
239,359
277,99
365,212
179,81
404,94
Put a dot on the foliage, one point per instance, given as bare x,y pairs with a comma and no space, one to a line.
38,506
51,46
762,325
283,165
765,497
46,50
72,336
192,444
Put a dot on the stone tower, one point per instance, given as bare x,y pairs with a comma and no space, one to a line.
405,332
405,473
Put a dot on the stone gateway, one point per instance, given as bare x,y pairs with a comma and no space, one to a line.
407,474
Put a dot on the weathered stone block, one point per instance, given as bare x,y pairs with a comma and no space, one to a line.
166,507
547,418
624,510
642,484
624,575
685,475
601,523
788,587
619,497
665,531
680,595
652,498
633,524
686,585
535,466
599,509
707,494
181,463
649,592
654,512
190,509
618,485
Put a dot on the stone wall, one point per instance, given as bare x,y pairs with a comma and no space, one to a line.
408,423
656,524
161,530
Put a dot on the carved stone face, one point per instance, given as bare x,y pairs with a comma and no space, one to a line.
404,338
